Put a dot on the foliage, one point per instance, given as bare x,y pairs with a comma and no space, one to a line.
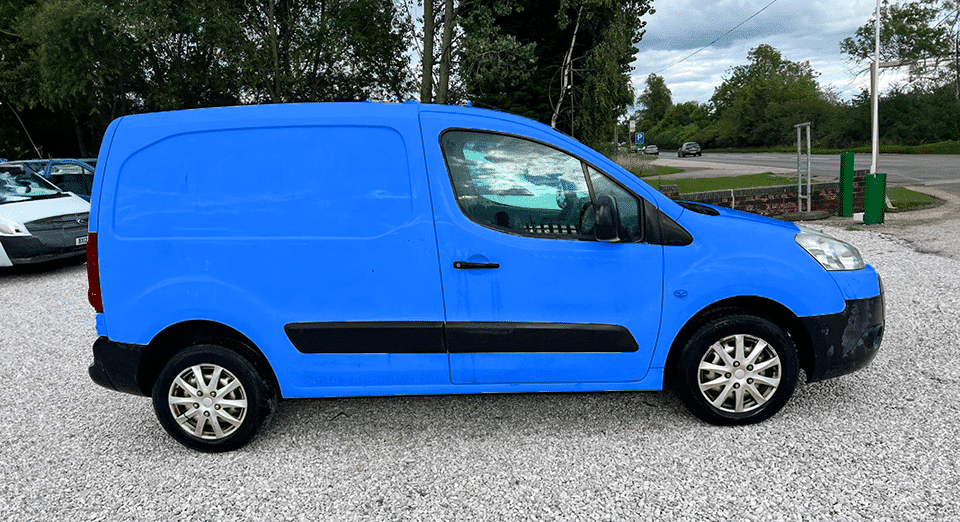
763,100
495,59
656,98
95,60
322,50
533,39
78,61
758,104
681,123
924,35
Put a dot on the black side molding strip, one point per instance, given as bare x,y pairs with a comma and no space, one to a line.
483,337
458,337
367,337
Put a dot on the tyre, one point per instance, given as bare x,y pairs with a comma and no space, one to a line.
210,398
736,369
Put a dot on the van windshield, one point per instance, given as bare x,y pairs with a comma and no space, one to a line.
16,184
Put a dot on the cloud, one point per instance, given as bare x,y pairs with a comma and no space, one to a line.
802,31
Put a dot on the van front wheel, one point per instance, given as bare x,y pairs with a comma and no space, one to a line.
211,399
737,369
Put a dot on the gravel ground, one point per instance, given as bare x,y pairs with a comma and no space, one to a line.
880,444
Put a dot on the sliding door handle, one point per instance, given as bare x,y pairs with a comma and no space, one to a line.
466,265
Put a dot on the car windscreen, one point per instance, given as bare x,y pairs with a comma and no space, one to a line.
16,184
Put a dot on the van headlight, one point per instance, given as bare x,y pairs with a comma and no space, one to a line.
9,227
831,253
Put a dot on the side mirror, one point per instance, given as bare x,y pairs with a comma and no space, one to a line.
607,220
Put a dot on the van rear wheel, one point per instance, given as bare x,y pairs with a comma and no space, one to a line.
212,399
737,369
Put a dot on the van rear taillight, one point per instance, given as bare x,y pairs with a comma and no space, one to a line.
93,273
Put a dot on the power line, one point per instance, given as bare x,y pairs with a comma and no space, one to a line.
718,38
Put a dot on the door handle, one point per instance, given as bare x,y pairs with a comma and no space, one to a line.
466,265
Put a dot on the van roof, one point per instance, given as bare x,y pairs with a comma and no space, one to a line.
146,128
299,113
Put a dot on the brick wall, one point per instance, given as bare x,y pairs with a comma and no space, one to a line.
776,201
859,186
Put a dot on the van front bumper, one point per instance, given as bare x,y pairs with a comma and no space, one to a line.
845,342
116,365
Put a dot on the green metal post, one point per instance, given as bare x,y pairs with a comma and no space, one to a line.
845,205
875,199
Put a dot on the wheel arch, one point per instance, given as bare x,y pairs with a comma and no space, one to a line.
758,306
178,337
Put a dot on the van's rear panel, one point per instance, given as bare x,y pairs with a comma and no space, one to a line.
290,214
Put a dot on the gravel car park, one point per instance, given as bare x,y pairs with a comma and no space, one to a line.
879,444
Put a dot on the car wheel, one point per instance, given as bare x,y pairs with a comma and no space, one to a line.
736,369
679,155
210,398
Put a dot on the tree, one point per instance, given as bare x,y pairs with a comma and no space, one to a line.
561,61
79,62
656,98
323,50
86,62
923,35
185,51
761,101
492,59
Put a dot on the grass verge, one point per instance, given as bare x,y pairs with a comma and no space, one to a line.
649,170
687,186
906,199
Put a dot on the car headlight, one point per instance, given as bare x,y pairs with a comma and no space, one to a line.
831,253
9,227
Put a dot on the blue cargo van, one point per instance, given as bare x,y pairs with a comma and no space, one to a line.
241,255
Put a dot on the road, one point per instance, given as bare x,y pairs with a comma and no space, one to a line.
935,170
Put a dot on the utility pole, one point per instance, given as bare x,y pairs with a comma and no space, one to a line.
874,68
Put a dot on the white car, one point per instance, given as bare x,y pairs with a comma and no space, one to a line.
39,221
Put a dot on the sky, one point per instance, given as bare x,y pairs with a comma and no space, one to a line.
807,30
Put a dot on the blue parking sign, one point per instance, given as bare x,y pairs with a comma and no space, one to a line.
639,138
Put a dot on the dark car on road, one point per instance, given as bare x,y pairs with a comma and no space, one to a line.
690,148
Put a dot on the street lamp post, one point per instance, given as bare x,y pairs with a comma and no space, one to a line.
874,68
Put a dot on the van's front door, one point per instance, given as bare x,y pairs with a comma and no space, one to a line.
530,295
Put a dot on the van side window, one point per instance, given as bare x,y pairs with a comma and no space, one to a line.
627,204
517,185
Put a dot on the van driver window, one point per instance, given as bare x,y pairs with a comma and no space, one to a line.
516,185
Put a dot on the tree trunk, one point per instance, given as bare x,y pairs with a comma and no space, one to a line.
79,131
426,87
566,75
445,49
275,95
956,67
